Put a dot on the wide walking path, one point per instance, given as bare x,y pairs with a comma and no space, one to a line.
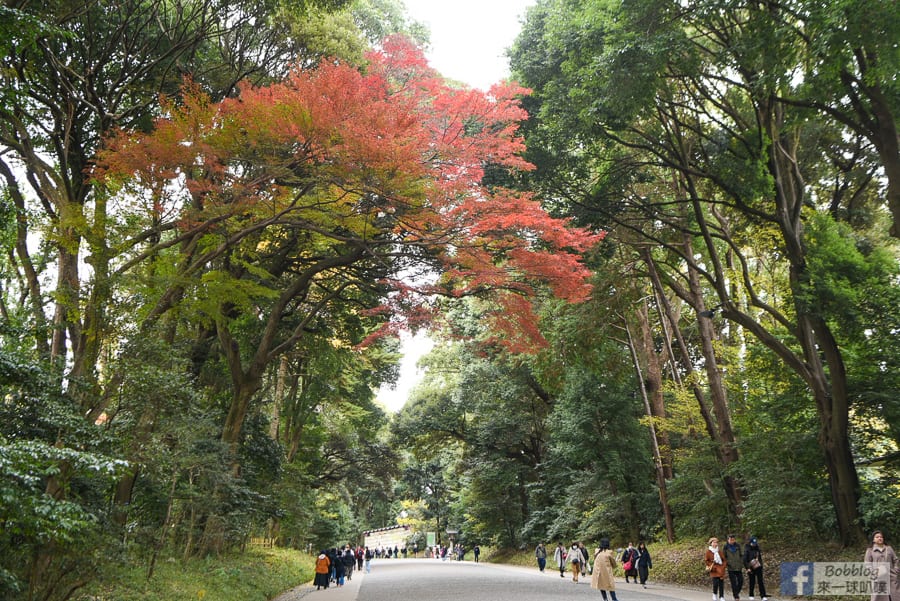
654,591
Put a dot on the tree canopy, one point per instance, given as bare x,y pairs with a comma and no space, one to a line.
660,266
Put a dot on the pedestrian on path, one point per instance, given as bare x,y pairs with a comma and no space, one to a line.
629,557
340,571
753,561
715,567
476,550
575,559
323,568
540,552
734,561
349,561
584,559
644,563
603,578
883,555
368,557
559,556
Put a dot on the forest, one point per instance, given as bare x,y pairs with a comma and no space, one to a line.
660,265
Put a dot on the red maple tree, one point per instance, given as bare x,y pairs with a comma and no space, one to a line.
384,163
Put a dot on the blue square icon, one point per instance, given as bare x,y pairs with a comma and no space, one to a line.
796,579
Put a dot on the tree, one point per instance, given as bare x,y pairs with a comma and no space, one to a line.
307,192
684,127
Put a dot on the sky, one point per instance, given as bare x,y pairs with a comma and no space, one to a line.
469,39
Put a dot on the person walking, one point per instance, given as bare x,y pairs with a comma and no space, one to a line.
734,561
715,567
323,568
629,557
575,559
476,550
584,557
753,561
883,555
644,563
340,570
368,557
349,560
559,556
332,557
603,578
540,552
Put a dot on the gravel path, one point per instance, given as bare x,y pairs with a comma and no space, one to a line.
296,593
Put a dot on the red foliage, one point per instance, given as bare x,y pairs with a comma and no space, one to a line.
337,150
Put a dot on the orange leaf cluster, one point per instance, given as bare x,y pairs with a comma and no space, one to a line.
391,156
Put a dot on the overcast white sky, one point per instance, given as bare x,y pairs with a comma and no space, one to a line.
469,39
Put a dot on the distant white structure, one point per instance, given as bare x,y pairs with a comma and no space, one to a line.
390,536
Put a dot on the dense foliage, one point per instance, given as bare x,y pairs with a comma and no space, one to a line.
662,280
736,368
214,214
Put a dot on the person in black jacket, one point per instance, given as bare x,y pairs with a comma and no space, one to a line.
349,560
644,563
754,564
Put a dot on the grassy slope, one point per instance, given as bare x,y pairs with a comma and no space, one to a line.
258,574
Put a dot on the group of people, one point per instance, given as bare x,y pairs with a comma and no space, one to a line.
389,552
335,566
600,564
734,561
457,552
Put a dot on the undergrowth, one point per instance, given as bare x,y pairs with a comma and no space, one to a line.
256,575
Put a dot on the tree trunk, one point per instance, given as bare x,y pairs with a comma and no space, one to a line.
654,439
828,379
726,439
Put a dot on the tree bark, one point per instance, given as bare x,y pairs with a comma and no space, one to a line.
658,461
823,367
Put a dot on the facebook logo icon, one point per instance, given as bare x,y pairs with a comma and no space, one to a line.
796,579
